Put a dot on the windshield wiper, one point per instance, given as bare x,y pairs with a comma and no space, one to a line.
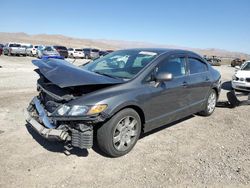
101,73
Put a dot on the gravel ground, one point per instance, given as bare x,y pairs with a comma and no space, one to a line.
195,152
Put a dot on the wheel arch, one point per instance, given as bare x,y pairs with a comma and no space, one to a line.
137,109
216,91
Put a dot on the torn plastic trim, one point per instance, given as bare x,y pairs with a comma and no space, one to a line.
45,132
47,122
42,114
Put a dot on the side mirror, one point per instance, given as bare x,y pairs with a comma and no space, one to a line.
163,76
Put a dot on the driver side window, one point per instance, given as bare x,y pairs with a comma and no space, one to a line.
175,66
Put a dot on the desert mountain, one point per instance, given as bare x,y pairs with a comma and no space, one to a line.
67,41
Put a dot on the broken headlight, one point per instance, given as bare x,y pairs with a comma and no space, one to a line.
79,110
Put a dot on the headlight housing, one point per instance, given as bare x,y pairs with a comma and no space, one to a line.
235,78
80,110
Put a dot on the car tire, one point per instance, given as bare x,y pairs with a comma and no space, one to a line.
210,103
119,135
232,99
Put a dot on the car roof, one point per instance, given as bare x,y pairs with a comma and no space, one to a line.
160,51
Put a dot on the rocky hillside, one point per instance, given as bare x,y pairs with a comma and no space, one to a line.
104,44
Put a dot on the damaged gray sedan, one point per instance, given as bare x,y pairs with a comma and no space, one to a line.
119,96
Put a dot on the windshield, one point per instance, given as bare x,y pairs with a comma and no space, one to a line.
15,45
60,47
121,64
95,50
246,66
49,49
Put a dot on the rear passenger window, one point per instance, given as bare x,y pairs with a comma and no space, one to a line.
196,66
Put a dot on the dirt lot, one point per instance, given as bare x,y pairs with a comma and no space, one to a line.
195,152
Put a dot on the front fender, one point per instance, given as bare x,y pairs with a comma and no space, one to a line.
121,106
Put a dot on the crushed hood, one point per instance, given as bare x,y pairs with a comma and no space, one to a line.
65,74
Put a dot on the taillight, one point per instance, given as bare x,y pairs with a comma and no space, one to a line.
10,49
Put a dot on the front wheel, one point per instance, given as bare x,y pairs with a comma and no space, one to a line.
210,103
119,135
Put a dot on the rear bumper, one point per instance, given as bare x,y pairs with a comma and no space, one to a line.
18,52
78,55
38,119
52,56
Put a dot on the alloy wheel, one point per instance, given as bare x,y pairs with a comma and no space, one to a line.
211,102
125,133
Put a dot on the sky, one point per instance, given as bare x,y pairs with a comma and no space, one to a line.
223,24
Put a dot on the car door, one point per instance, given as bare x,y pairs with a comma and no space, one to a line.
168,100
199,82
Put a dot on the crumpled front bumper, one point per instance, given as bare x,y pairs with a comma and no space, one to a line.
43,125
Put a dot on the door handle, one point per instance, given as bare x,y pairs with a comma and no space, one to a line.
207,79
184,84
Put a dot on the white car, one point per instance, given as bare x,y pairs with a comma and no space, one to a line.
47,51
31,50
39,51
241,78
76,53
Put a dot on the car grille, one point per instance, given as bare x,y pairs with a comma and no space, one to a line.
242,87
248,79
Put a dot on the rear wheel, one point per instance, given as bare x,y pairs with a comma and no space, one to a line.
210,103
119,135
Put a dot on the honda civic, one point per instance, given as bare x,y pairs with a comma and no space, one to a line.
120,96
